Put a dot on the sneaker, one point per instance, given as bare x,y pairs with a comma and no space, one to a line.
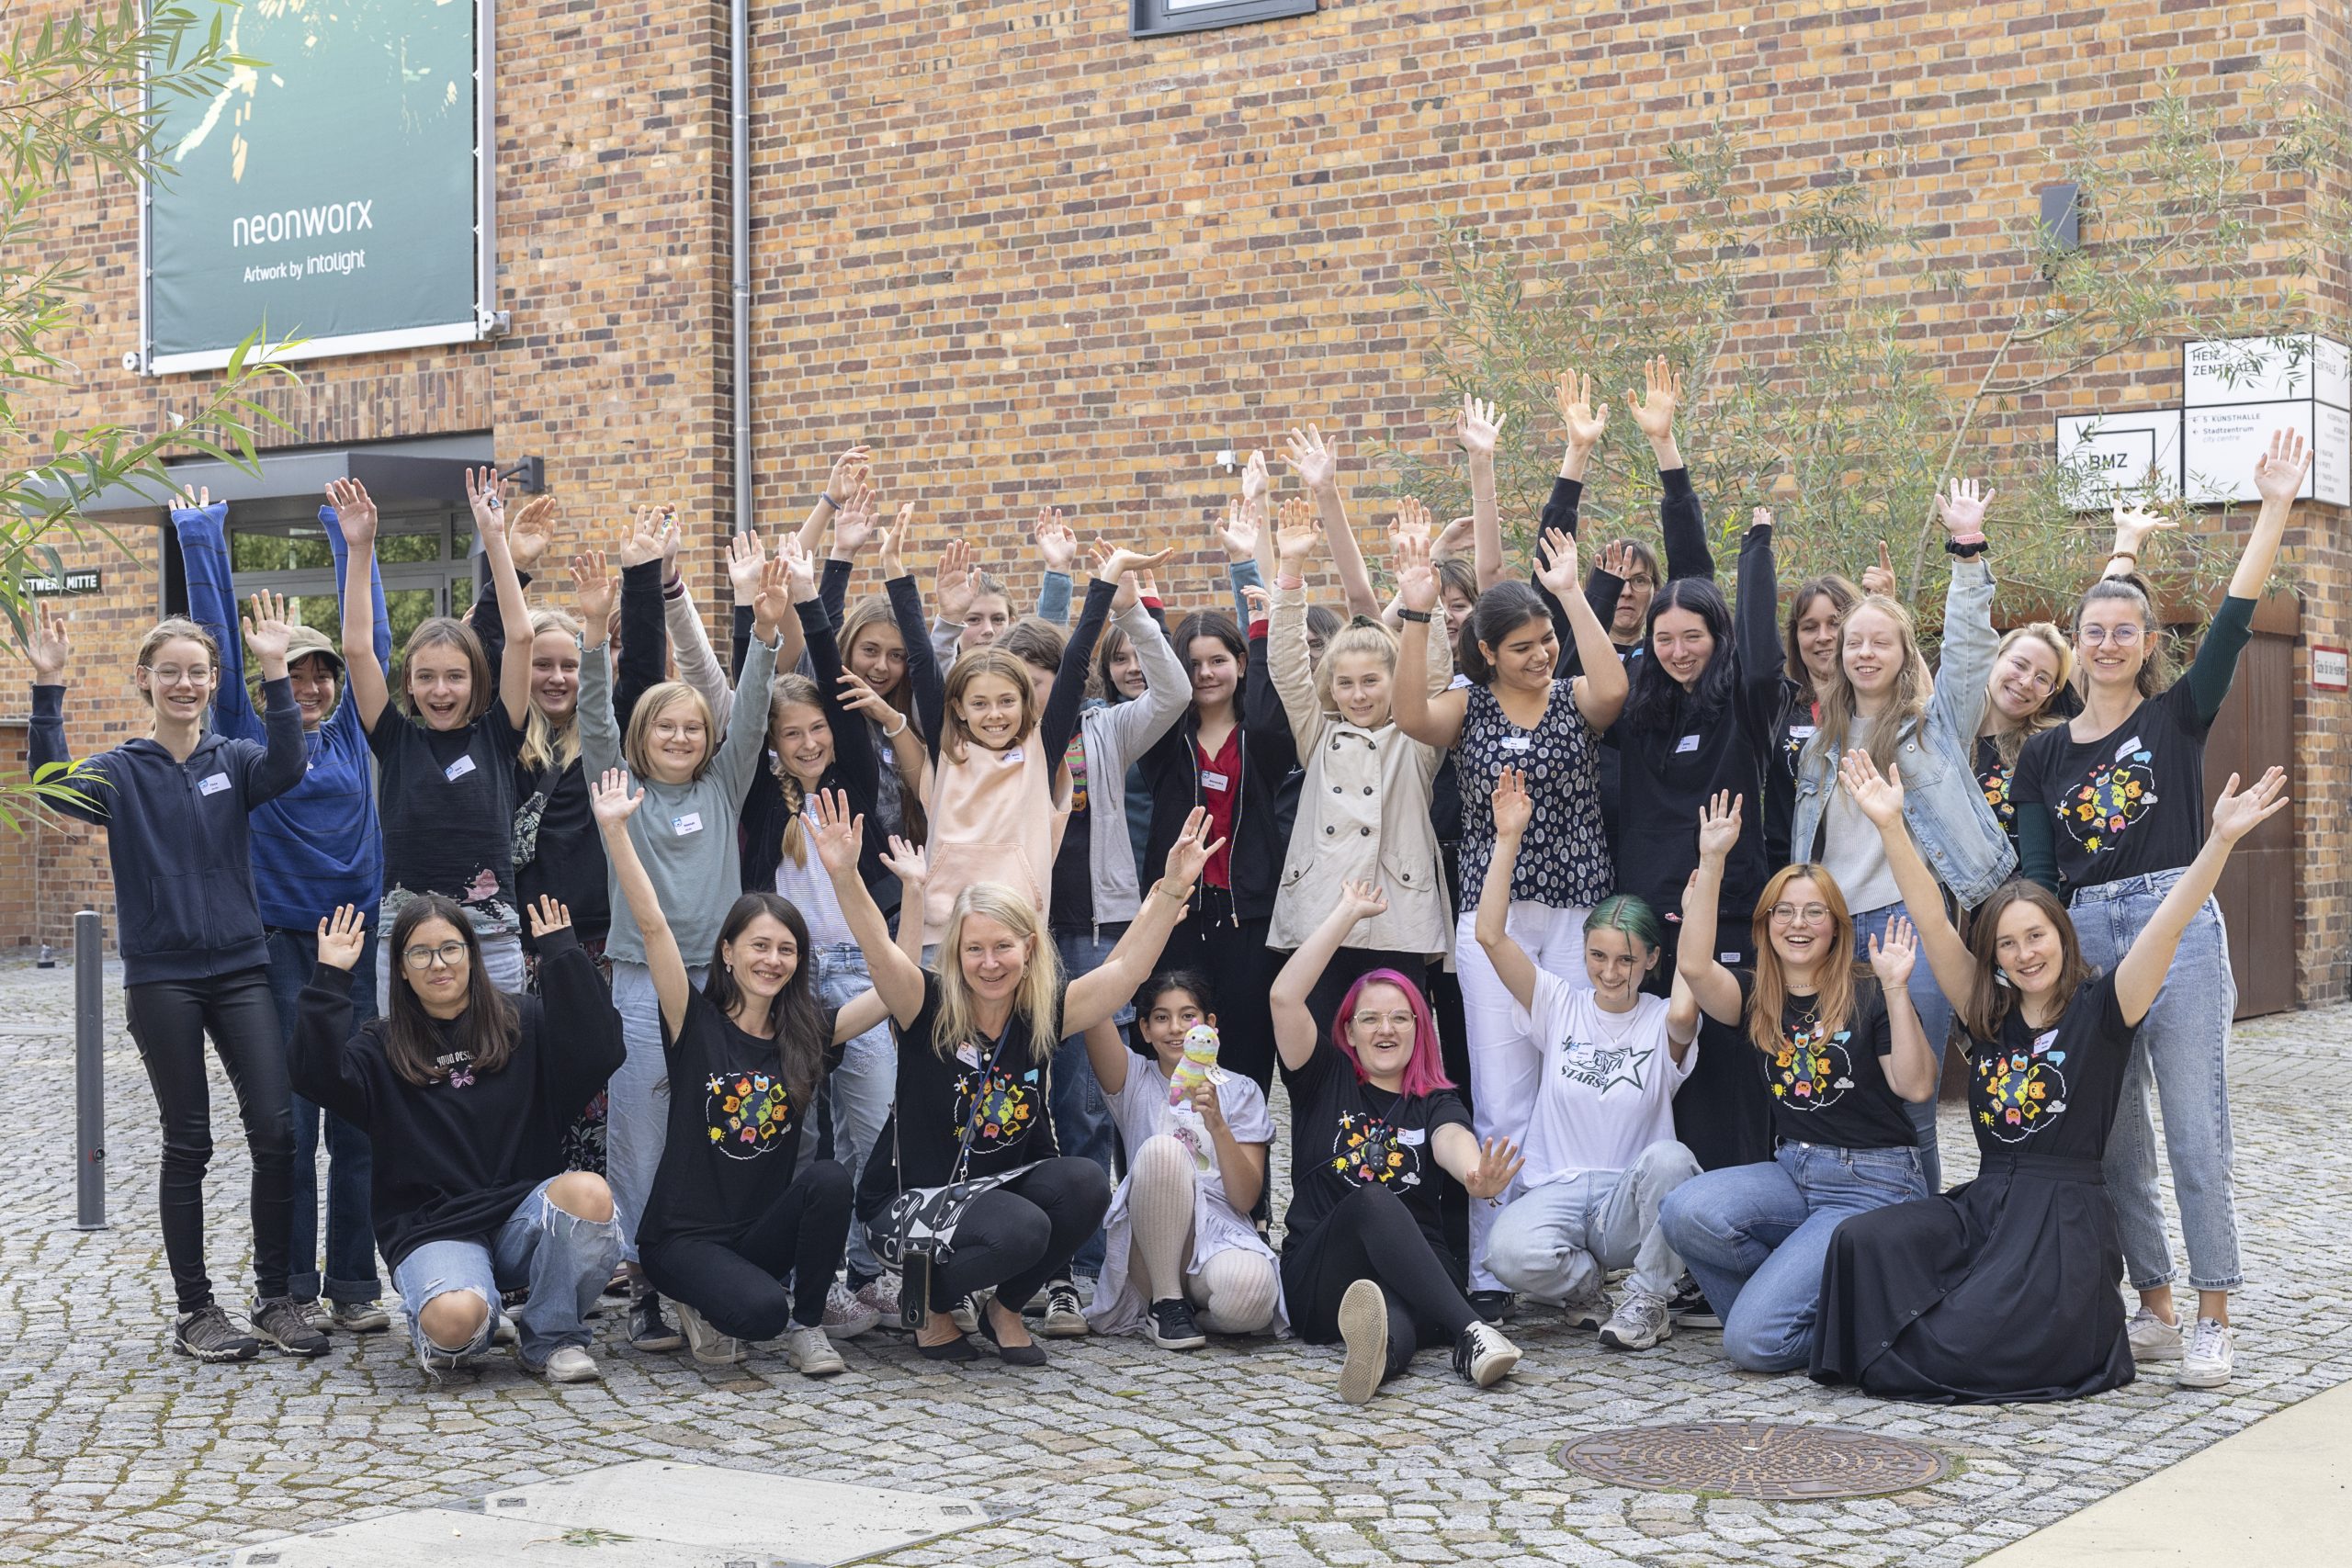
2153,1339
1587,1312
1172,1327
208,1336
1639,1322
569,1364
846,1316
879,1295
711,1348
504,1332
358,1317
2207,1362
1364,1328
647,1329
1483,1355
1690,1307
280,1320
965,1314
1065,1318
811,1353
1493,1306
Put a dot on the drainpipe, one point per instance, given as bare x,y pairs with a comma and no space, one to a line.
739,176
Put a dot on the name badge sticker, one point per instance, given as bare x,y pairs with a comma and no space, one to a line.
690,823
1009,754
212,785
1687,743
457,769
968,1053
1516,743
1217,782
1803,732
1412,1136
2127,749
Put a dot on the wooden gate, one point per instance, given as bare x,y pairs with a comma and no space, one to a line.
2256,730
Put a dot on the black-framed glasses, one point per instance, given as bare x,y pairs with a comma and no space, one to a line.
450,955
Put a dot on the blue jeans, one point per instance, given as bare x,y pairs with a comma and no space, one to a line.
2183,1044
563,1258
1935,1018
1755,1236
350,1275
1081,1118
636,1118
856,1097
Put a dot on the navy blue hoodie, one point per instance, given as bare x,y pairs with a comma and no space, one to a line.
178,838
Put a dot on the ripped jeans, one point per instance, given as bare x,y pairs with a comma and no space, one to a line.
564,1259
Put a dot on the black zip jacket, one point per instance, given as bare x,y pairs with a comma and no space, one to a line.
1260,831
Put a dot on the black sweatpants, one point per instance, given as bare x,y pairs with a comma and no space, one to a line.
1022,1234
1372,1236
739,1287
169,1020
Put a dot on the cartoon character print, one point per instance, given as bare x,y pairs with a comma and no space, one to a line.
1076,757
1995,782
1811,1070
1006,1107
1603,1067
2019,1093
2098,811
457,1068
746,1114
1368,1149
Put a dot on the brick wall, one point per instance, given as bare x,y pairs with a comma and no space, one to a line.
1032,259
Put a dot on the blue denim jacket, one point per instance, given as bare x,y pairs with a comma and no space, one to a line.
1956,831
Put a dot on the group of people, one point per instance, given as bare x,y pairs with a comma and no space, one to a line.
917,962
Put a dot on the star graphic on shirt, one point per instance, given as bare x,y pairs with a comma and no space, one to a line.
1604,1066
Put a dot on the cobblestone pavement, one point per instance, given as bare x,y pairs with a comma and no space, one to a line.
117,1451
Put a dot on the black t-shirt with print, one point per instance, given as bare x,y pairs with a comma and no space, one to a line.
2128,804
1345,1134
734,1138
992,1086
1830,1087
1795,727
2054,1090
1995,779
446,797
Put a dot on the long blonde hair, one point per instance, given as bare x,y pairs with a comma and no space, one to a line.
544,744
958,1020
1359,635
1834,981
791,689
2008,737
640,727
1900,717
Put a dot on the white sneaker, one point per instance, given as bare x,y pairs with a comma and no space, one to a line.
1483,1355
1364,1329
707,1345
505,1333
810,1353
847,1316
2153,1339
965,1313
1065,1317
2212,1350
571,1364
1639,1322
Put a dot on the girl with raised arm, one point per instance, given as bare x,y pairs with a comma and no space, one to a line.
2004,1289
686,837
466,1092
1810,641
1521,711
976,1194
733,1213
1374,1120
2107,819
1601,1150
176,804
446,752
1840,1051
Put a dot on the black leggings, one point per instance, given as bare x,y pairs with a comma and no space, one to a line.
1022,1234
169,1020
1233,956
1372,1236
740,1287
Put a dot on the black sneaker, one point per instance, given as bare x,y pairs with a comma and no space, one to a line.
647,1329
1688,1309
1493,1306
208,1336
283,1321
1172,1327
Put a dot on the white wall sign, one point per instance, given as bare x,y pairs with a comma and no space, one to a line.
2108,453
2331,668
2237,391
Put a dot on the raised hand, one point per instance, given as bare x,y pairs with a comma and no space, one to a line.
1618,560
1759,518
2279,472
267,631
1478,427
1879,796
1256,481
2236,815
859,697
669,535
1417,584
1301,531
1121,565
840,833
853,522
546,915
1056,543
343,936
894,543
849,472
799,569
1514,807
1238,532
533,530
746,559
1498,1165
1316,464
1719,826
355,512
907,863
643,541
1891,960
1260,603
191,499
774,603
1453,540
1963,511
952,582
486,495
1653,411
1880,577
593,586
2134,526
1585,419
1362,900
48,646
1191,848
612,800
1557,566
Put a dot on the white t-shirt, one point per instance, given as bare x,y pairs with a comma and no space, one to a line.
1608,1083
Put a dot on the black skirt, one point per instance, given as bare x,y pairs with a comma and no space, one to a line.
2000,1291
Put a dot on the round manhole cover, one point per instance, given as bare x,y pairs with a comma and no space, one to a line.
1755,1459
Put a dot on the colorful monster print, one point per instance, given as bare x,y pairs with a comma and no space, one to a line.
1006,1110
746,1113
2019,1093
1811,1070
1368,1149
1995,782
2097,811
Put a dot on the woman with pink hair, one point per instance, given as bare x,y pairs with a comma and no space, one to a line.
1373,1119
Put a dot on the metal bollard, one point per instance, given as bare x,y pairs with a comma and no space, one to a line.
89,1073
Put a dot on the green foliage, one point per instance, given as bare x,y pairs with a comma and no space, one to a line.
1839,361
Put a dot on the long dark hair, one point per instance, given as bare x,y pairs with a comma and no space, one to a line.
1500,611
1986,1006
1657,701
1218,624
798,1021
489,1028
